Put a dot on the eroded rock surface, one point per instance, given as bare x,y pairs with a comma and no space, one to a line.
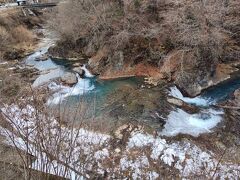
69,78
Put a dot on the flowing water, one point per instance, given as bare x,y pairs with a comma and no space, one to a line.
177,122
223,90
212,95
88,89
180,121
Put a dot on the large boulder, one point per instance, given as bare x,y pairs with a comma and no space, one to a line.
193,76
236,95
230,130
183,105
69,78
43,57
79,70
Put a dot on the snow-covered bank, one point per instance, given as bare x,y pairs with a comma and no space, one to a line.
93,152
187,158
75,144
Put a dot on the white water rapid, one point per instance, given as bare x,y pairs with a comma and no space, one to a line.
181,122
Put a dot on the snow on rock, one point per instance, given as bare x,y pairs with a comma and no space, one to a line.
135,166
185,157
45,78
101,154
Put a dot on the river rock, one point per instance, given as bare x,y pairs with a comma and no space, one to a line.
69,78
192,78
151,81
79,70
76,64
175,101
232,119
199,81
43,57
181,104
236,95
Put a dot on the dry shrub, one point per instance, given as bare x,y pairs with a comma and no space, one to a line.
4,36
79,17
205,28
22,34
15,30
10,88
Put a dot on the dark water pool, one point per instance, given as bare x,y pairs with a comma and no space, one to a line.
223,90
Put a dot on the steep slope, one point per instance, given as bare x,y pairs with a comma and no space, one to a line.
193,43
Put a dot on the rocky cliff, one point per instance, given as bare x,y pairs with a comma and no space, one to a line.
194,44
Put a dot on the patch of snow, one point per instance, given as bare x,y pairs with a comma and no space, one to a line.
168,156
152,175
85,142
101,154
135,166
185,157
3,63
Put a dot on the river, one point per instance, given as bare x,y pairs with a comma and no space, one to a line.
177,122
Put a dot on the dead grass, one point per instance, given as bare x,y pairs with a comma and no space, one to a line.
150,31
4,36
22,34
16,32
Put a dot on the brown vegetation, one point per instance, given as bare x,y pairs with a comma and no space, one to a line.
118,35
16,34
